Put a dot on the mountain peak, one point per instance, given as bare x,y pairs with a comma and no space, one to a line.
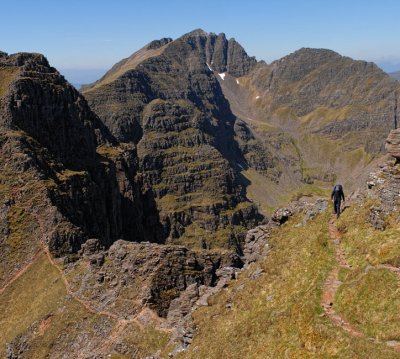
155,44
197,32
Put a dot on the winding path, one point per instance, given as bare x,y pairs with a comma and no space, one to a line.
332,284
21,271
120,323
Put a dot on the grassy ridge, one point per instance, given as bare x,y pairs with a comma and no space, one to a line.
279,314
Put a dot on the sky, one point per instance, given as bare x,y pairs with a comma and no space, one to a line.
84,38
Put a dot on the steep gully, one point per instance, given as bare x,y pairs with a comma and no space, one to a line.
332,284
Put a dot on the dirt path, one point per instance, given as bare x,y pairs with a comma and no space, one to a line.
21,271
332,284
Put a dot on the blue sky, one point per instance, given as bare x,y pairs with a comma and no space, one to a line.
83,38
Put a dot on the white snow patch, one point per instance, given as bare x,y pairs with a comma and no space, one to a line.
257,97
237,81
222,76
209,67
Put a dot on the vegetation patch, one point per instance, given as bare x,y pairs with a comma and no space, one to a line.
369,299
7,75
363,244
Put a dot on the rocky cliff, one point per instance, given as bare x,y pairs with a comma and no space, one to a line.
58,158
166,99
393,144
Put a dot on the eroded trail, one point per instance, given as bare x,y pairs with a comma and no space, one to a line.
21,271
332,284
119,323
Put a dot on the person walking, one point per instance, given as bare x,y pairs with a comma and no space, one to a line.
337,196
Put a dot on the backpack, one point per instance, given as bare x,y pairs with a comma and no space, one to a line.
338,188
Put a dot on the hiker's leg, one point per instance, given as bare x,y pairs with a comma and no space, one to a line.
334,207
338,208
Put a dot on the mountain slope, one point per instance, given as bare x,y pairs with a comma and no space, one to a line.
171,105
73,278
335,111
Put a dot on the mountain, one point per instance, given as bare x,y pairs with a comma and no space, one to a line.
127,211
334,110
165,100
282,114
395,75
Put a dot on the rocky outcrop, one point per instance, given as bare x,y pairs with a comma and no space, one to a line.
393,144
129,275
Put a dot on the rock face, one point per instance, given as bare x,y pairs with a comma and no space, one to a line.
129,275
68,185
63,173
167,101
393,144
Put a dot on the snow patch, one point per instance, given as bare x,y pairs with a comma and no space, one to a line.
209,67
257,97
222,76
237,81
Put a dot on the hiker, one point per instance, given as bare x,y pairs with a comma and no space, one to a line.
337,196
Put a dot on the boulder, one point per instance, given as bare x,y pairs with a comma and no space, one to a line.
393,144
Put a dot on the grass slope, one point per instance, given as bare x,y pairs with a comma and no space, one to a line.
369,294
279,314
37,306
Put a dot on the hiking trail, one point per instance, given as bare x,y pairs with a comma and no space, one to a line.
333,283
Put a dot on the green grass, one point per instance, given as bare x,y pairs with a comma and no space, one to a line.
363,244
368,296
29,299
279,314
7,75
371,302
147,341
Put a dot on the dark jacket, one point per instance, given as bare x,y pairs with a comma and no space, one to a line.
337,193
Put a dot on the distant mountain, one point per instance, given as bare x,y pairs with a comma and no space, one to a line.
166,100
395,75
336,110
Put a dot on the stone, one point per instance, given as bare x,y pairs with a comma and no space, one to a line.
257,273
281,215
393,144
